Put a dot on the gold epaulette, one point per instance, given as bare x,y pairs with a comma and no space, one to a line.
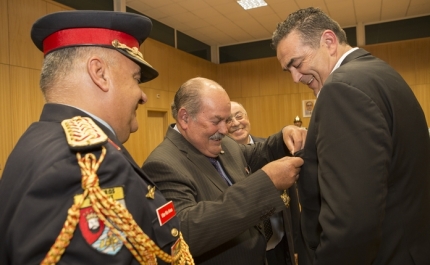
83,134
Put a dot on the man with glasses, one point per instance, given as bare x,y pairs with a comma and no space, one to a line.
239,127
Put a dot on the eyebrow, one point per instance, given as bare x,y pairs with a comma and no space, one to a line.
287,67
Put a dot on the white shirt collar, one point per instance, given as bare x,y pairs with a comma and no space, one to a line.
251,141
342,58
337,65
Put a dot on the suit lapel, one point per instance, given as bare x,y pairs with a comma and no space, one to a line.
230,167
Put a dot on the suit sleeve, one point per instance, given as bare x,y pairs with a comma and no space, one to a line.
353,148
222,215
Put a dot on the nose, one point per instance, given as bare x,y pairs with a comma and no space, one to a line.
234,122
143,98
223,128
296,75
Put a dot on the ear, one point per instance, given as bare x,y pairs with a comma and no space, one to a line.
183,118
97,70
329,40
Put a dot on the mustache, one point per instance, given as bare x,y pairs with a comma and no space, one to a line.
217,136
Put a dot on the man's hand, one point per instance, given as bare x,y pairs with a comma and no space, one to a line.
283,172
294,138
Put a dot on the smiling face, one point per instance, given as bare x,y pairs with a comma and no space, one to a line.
310,66
239,126
207,128
125,97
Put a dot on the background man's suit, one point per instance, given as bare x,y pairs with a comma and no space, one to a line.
370,205
219,223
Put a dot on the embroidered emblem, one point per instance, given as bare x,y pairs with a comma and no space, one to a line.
82,132
151,192
95,231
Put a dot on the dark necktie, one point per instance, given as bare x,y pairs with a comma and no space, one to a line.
218,168
268,232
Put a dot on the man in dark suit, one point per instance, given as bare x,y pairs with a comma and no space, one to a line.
285,225
364,187
219,201
70,192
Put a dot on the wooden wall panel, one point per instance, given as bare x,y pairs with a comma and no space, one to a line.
22,15
26,99
135,144
157,56
422,92
250,78
268,84
229,78
4,29
422,61
6,129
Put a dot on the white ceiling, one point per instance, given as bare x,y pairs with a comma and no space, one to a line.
224,22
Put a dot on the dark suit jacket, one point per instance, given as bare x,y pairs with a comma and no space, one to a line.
365,184
219,222
291,218
39,181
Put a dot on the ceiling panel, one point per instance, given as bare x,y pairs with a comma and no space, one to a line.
224,22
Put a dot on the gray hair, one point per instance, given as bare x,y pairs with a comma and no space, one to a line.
58,64
309,23
189,96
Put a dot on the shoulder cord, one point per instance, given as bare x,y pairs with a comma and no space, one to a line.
114,215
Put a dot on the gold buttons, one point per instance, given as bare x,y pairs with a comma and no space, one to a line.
175,232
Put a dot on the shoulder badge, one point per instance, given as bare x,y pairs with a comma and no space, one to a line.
83,133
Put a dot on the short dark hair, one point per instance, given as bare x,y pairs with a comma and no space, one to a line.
188,96
309,23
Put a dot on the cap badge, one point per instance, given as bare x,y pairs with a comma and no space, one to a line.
134,52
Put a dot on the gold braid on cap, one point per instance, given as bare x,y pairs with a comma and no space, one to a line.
116,217
134,51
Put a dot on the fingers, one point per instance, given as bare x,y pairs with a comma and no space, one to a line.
294,137
283,172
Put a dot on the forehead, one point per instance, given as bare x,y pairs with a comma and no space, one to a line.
236,108
215,102
289,48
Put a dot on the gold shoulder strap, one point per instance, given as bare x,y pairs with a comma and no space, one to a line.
82,133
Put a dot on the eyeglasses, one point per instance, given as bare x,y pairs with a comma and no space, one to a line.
238,117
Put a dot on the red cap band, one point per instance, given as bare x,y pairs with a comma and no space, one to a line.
86,36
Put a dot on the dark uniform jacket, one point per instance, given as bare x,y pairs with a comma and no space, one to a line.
219,222
38,186
365,184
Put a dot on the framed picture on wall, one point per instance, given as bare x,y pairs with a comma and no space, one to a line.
308,107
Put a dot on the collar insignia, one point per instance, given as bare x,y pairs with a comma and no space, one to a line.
151,192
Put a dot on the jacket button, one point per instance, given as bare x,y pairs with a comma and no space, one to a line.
175,232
